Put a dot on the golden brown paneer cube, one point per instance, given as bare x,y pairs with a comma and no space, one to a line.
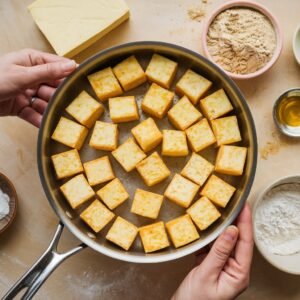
69,133
147,134
104,136
146,204
193,85
231,160
67,163
226,130
182,231
154,237
157,101
113,194
97,216
174,143
161,70
181,191
198,169
203,213
105,84
122,233
77,191
216,105
129,154
183,114
98,170
218,191
85,109
200,135
123,109
130,73
153,169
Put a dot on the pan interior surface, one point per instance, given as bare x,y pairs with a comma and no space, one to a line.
74,84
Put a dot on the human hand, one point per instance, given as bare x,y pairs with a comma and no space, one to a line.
222,273
30,74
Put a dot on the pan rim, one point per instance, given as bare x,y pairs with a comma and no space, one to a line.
154,257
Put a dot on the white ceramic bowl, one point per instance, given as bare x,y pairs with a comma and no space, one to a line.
289,263
296,44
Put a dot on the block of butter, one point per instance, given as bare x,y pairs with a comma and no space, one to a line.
73,25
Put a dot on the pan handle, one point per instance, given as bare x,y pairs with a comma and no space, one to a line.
33,279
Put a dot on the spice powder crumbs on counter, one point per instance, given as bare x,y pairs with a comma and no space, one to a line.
241,40
4,205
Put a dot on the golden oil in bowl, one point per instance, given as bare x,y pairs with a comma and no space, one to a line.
287,113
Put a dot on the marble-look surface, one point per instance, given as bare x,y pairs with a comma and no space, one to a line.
90,275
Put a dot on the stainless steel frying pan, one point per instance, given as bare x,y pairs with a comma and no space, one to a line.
35,277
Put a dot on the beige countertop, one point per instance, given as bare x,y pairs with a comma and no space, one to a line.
90,275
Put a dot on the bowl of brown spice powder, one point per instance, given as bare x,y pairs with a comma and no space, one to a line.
243,38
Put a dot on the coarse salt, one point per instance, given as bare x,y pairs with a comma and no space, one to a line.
4,204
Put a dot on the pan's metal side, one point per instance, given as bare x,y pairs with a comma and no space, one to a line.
76,82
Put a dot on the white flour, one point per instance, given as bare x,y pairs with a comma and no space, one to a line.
277,220
4,204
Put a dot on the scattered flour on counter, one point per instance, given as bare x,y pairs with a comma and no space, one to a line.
277,220
4,204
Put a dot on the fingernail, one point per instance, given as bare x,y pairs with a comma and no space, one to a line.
68,66
231,233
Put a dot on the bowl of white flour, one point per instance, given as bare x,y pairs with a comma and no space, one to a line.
276,219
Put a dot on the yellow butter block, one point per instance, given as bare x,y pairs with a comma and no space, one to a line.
130,73
183,114
153,169
97,216
105,84
69,133
161,70
67,163
154,237
113,194
193,85
147,134
129,154
174,143
182,231
122,233
98,170
85,109
200,135
216,105
226,130
181,191
73,25
157,101
77,191
203,213
231,160
146,204
123,109
218,191
198,169
104,136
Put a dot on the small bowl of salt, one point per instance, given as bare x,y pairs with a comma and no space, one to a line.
276,219
8,202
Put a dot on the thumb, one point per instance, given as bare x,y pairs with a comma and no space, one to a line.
48,72
220,251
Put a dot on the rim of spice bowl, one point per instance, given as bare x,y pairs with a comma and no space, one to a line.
287,263
260,8
7,187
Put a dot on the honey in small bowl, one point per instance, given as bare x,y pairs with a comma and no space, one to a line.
287,113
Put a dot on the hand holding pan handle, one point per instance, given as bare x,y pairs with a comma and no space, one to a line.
42,269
